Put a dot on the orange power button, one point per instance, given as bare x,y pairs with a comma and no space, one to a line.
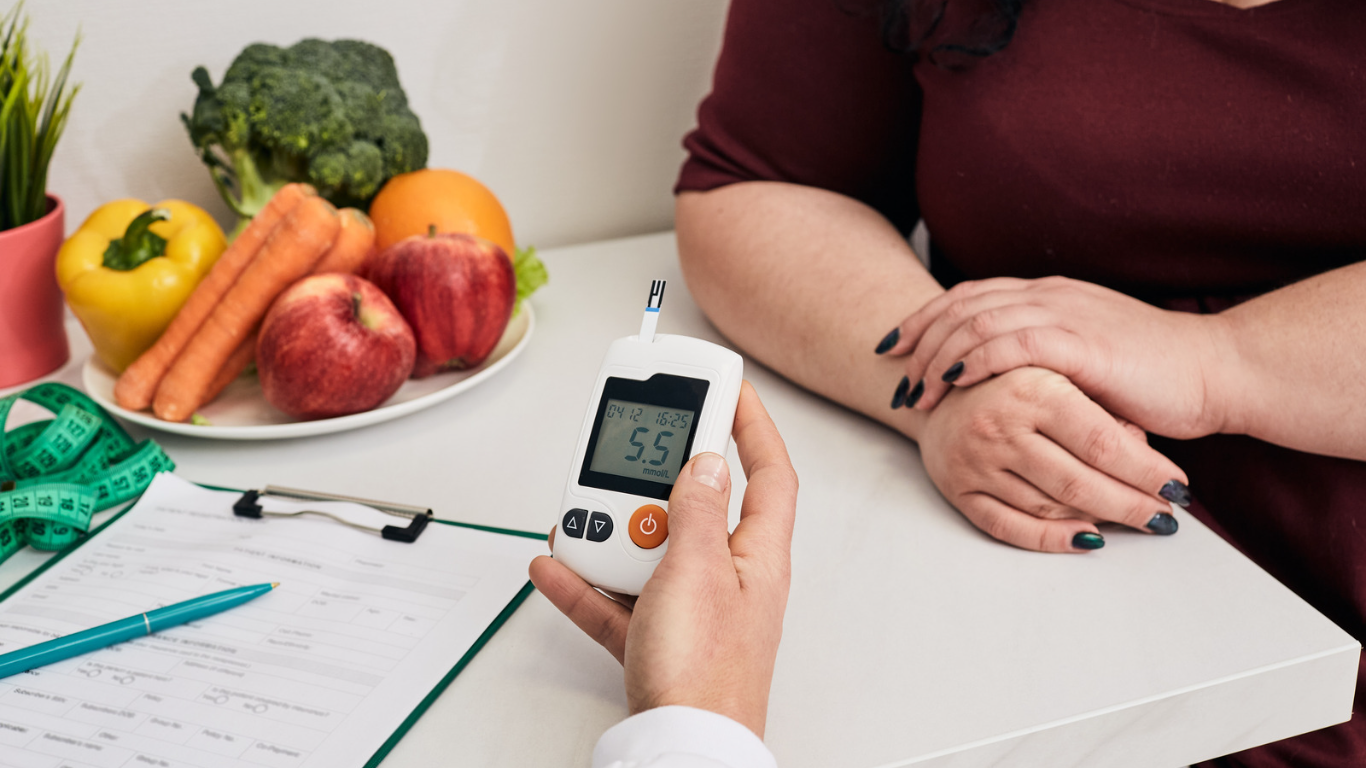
649,526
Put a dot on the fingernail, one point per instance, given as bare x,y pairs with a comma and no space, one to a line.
888,341
1088,540
914,397
1162,524
711,470
1177,493
899,399
954,371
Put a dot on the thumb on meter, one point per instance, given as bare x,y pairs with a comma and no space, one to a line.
698,506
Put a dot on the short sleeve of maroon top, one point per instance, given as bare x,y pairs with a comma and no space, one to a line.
1166,148
1182,151
805,93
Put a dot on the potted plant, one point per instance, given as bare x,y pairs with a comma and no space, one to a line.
33,110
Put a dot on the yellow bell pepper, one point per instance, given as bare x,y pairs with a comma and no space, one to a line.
129,268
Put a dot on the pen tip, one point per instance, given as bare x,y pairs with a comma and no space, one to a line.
274,584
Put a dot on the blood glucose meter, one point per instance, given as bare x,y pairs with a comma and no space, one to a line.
658,400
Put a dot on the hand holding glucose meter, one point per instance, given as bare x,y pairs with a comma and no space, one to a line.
658,400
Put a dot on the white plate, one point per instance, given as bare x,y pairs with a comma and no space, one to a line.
242,413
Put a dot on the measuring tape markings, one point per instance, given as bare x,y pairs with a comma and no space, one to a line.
55,474
60,443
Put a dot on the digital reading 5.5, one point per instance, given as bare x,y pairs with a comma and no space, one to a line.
642,440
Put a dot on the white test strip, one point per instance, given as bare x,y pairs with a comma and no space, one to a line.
652,305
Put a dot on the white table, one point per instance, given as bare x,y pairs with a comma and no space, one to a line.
910,637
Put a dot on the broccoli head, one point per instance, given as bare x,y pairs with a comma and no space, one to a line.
331,114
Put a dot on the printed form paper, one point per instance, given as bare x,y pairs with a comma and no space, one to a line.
319,673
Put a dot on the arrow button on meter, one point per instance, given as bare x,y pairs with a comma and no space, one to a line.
649,526
599,527
573,522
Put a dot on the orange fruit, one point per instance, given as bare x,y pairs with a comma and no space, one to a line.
410,203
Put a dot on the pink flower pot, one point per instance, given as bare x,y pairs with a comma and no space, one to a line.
32,332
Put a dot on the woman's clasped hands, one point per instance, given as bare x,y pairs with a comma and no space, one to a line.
1037,396
1154,367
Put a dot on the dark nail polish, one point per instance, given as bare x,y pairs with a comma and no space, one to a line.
1177,493
1162,524
899,399
888,341
954,371
914,397
1088,540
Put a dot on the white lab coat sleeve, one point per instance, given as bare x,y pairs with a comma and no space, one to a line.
681,737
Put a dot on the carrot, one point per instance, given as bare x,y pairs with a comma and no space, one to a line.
241,358
355,244
300,239
138,384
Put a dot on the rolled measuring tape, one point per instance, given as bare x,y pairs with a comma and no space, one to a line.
56,473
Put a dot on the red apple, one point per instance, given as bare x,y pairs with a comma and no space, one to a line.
332,344
455,290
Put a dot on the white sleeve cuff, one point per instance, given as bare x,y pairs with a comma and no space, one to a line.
681,737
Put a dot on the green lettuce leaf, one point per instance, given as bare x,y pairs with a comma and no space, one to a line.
531,274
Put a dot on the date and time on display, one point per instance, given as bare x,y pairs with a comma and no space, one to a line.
643,441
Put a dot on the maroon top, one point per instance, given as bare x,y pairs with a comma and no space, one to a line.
1183,151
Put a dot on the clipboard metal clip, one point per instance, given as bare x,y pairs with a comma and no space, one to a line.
249,506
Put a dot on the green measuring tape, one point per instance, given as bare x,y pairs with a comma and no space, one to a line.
55,474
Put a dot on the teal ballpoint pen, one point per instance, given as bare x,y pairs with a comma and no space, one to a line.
141,625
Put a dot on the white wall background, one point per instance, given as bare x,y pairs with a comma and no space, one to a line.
570,110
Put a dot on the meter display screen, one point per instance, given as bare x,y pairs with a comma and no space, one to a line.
642,434
642,440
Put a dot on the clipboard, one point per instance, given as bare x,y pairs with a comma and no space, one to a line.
419,518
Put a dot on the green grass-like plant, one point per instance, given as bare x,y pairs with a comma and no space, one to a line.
33,110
